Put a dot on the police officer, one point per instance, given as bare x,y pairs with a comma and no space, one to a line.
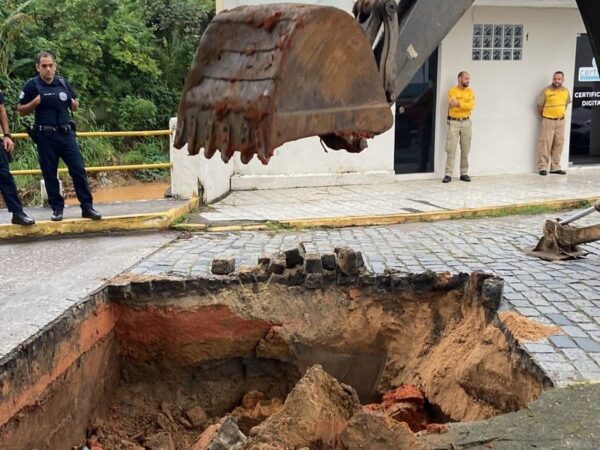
51,97
7,183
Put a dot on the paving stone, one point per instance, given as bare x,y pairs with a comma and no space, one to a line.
529,312
587,344
534,347
577,316
556,366
563,342
559,319
574,331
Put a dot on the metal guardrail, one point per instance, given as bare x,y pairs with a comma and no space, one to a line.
149,133
111,134
100,168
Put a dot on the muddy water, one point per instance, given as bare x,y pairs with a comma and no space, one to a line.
135,191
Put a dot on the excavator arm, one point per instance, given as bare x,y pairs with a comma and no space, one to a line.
269,74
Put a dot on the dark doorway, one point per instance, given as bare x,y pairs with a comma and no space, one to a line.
584,145
415,121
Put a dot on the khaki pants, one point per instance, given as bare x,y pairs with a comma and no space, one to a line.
550,145
458,131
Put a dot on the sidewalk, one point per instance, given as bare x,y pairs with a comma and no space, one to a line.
403,201
116,216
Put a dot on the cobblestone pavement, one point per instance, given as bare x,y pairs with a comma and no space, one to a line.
566,294
400,197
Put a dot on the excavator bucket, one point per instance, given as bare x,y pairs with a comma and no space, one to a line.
265,75
561,240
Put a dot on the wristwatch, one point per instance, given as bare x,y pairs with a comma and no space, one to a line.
8,135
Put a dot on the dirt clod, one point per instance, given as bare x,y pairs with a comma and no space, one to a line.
196,416
314,413
404,404
373,431
254,410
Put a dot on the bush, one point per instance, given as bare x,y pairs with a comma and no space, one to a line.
97,152
134,113
148,151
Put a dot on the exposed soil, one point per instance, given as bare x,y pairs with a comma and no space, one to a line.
526,329
265,337
182,355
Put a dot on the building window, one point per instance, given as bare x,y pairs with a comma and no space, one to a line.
497,42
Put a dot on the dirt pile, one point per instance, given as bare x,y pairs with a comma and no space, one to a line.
526,329
314,414
376,431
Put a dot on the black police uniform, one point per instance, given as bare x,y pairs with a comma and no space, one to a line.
7,182
56,139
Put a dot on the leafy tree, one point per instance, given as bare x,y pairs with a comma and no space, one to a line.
127,60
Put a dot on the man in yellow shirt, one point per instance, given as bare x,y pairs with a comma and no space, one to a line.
461,101
552,106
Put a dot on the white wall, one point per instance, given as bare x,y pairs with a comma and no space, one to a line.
505,121
191,174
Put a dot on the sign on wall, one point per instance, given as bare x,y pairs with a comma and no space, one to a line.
585,141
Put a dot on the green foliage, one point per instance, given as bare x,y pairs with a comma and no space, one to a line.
126,59
135,113
98,152
149,151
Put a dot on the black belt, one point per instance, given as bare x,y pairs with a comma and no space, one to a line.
458,119
554,118
64,128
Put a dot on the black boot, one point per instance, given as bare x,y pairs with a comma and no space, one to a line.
20,218
91,213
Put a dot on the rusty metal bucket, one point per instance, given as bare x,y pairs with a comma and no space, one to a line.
266,75
561,240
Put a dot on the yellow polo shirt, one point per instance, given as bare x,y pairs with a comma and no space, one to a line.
554,101
466,98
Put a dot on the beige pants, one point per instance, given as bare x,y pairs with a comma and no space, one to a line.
550,145
458,131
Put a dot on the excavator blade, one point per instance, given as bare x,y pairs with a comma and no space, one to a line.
265,75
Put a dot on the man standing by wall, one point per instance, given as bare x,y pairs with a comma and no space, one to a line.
7,183
51,97
552,105
461,102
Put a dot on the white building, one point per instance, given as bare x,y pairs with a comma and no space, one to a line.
542,38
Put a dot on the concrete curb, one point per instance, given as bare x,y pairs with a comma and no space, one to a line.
393,219
149,221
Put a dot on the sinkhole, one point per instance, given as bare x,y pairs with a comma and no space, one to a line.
152,363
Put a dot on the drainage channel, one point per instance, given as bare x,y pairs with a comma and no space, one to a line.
226,360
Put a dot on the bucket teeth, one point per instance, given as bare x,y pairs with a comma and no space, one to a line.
270,74
209,143
192,124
